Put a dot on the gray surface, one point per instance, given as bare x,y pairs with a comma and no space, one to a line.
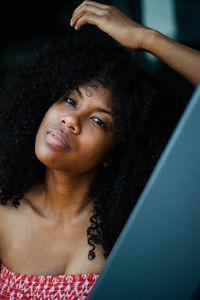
157,255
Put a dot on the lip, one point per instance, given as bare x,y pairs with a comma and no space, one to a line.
57,139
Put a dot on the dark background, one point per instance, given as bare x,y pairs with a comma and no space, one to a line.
23,23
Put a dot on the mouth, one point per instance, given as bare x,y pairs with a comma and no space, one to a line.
57,139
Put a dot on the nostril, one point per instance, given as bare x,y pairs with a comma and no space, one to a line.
70,124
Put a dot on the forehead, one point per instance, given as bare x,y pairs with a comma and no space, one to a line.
96,92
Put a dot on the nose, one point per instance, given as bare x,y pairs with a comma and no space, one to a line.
71,122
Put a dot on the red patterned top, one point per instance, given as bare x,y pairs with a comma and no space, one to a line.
17,286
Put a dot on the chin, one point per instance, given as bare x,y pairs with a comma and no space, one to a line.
49,158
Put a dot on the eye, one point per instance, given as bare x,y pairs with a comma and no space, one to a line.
99,122
70,101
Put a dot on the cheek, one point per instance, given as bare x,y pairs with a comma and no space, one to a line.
94,151
40,149
44,125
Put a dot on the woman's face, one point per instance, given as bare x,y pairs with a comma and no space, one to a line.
77,132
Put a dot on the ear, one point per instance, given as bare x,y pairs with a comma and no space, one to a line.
107,163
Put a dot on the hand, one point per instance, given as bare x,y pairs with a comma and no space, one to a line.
110,20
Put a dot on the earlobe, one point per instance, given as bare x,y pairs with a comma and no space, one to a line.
106,164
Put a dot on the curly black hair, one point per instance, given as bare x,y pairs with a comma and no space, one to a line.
58,67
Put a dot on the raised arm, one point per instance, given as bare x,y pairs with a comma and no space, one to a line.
181,58
111,20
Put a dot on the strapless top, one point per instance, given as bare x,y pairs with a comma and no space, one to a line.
17,286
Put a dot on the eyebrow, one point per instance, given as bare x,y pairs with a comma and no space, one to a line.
97,108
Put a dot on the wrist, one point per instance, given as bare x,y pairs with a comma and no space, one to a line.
150,37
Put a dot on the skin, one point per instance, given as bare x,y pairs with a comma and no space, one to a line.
91,135
57,211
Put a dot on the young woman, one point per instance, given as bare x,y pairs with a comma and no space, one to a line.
78,143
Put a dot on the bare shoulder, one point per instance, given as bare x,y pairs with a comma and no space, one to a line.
7,213
11,216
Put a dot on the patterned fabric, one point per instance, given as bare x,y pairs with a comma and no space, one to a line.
19,286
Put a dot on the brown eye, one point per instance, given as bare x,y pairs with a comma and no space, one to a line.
70,101
99,122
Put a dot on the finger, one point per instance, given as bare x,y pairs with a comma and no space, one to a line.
89,18
87,8
98,5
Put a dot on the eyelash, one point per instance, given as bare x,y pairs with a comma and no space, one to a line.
74,104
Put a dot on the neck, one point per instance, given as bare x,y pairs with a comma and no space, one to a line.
66,195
